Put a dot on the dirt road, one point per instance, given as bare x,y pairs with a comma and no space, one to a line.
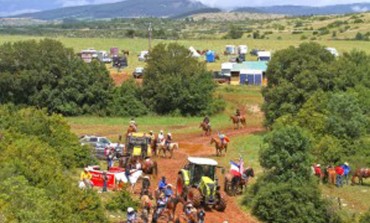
197,145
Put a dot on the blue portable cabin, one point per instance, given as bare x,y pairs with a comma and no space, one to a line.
210,56
251,72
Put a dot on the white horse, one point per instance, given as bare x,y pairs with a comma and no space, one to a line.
163,148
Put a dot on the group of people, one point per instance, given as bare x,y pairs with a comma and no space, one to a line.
161,138
337,175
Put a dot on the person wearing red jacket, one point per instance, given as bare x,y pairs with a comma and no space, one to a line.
340,173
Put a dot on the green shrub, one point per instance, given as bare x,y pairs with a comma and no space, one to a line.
122,201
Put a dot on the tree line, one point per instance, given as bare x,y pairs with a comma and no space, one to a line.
317,109
45,74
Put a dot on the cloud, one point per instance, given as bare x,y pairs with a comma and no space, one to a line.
360,9
16,12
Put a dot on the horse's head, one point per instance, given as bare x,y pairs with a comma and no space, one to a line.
213,140
249,172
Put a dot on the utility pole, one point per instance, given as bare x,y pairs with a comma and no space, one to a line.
150,35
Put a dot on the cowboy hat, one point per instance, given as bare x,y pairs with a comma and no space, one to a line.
318,165
345,163
190,205
86,169
146,177
130,209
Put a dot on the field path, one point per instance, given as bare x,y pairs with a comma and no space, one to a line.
198,145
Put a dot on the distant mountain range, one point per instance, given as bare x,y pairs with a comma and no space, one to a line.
179,8
307,10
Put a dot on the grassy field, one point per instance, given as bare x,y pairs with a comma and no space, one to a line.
136,45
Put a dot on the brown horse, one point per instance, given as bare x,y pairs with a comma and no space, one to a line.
149,166
206,128
170,209
154,146
361,173
219,147
131,129
237,121
146,206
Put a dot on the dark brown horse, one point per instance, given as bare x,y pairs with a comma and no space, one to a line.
206,128
219,147
154,146
361,173
236,184
237,121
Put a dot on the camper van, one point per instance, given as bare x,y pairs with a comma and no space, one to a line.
88,55
103,56
263,55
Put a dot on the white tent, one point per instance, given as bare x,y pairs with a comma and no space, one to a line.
194,53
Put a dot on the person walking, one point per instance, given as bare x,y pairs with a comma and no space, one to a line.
340,172
131,215
347,170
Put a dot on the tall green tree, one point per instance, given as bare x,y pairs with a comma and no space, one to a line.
174,81
46,74
286,192
293,75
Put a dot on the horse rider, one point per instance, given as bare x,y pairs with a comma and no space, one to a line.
160,136
133,124
161,205
201,215
168,192
237,114
145,185
162,184
131,215
168,141
222,138
207,121
151,136
189,209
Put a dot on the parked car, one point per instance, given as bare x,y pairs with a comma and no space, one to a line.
138,73
99,144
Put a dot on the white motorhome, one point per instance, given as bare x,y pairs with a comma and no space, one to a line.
88,55
242,49
263,55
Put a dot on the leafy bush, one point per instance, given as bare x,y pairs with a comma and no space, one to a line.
122,202
37,156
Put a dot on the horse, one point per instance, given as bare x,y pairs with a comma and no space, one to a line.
236,184
206,128
360,173
170,209
149,166
146,206
163,148
237,121
219,147
131,129
154,145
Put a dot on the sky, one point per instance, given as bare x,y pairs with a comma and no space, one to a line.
12,7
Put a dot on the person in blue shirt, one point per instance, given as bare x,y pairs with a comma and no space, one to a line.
346,169
162,184
168,192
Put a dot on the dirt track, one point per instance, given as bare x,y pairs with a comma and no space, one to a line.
197,145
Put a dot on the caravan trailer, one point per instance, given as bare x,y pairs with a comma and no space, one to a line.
263,56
